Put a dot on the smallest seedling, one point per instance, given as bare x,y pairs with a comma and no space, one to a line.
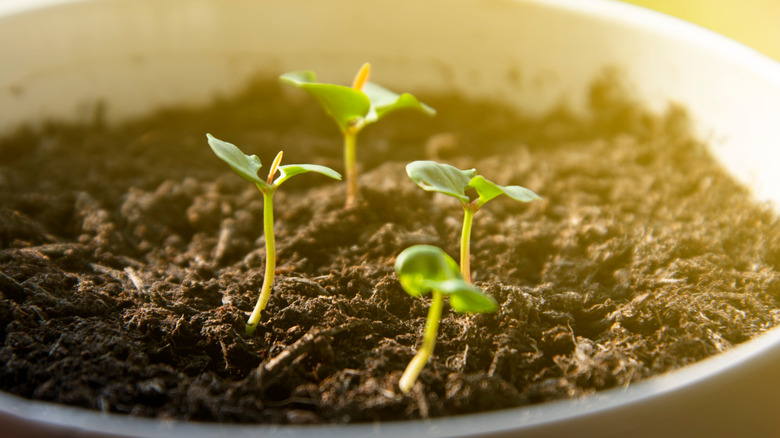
247,167
422,269
451,181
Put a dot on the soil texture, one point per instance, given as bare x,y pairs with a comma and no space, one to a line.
130,258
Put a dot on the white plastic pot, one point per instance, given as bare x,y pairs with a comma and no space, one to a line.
59,58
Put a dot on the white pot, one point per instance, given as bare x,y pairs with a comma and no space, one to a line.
58,58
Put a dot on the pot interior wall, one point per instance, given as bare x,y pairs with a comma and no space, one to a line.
135,55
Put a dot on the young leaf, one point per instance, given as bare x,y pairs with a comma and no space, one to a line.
288,171
464,297
346,105
442,178
488,190
422,263
244,165
352,108
422,268
384,102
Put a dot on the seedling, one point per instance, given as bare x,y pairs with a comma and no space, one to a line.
443,178
422,269
353,108
247,167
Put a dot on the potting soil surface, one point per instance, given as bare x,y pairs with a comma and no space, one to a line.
131,256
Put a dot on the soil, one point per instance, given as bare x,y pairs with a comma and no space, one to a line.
130,258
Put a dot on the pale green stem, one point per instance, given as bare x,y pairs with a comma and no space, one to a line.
350,169
465,243
429,342
270,261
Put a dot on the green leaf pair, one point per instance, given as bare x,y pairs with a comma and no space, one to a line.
443,178
354,108
247,166
423,268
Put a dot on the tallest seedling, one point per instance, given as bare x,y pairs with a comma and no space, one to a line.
353,108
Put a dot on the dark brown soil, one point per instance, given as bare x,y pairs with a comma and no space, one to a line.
131,256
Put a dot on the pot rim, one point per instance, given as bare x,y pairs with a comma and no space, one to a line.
602,404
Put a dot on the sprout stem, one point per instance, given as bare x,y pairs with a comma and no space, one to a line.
270,261
429,342
350,170
465,242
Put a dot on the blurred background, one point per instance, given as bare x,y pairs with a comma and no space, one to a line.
755,23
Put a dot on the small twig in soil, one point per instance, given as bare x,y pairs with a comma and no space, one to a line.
422,403
37,312
458,361
135,279
226,233
10,288
56,345
59,249
498,360
224,354
306,281
247,348
113,273
271,370
669,280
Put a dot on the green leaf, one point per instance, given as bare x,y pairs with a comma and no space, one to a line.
384,101
442,178
346,105
422,268
488,190
290,170
244,165
464,297
418,265
301,76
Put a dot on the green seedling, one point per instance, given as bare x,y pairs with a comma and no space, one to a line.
353,108
422,269
443,178
247,167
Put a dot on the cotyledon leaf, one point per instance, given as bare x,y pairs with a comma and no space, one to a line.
442,178
345,104
384,102
288,171
244,165
488,190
